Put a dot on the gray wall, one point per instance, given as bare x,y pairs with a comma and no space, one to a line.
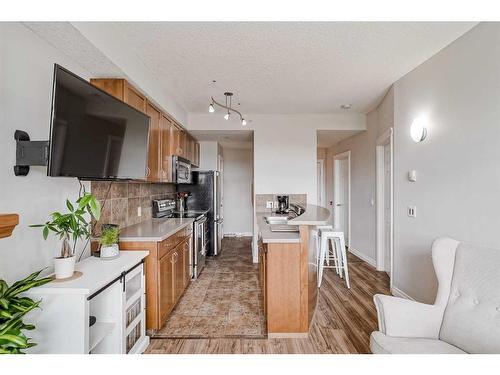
457,193
26,71
363,178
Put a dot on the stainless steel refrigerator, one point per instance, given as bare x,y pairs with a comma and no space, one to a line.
205,193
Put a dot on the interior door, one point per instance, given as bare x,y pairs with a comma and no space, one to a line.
341,193
320,172
387,208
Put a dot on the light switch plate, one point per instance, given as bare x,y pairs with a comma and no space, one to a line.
269,204
412,211
139,212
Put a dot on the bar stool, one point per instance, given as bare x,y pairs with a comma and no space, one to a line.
338,254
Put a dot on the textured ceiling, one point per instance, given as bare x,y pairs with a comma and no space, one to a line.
64,37
285,67
329,138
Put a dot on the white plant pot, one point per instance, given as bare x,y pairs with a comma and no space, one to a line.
64,267
110,252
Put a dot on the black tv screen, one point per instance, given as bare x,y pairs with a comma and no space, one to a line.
94,136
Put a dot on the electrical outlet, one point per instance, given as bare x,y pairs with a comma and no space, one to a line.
269,204
412,211
139,211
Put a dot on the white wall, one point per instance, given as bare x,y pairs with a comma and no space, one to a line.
457,193
284,147
238,179
26,71
363,178
208,156
111,43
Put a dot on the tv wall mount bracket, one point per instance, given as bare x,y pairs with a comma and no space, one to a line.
29,153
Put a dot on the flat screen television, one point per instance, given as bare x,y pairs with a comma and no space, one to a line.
93,135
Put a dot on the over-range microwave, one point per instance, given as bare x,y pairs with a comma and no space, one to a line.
181,170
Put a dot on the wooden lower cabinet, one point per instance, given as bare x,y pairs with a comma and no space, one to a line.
166,279
263,274
167,274
288,279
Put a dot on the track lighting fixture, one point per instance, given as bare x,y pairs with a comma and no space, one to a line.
228,107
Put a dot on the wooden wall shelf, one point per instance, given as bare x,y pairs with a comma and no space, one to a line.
7,224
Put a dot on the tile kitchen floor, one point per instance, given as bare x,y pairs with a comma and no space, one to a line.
224,301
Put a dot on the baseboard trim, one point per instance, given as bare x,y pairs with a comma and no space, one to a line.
363,257
399,293
238,234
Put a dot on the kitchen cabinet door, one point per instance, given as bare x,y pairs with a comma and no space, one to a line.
134,97
175,136
263,274
186,247
153,167
178,271
165,147
182,143
166,288
197,154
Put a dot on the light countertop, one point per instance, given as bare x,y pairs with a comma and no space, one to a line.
314,215
154,230
95,274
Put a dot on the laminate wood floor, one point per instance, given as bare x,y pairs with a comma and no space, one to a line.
342,323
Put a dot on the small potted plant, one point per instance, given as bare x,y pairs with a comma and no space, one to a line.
109,241
71,226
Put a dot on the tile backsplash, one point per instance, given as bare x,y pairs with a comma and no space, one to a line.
261,199
123,200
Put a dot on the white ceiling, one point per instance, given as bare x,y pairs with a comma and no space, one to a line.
329,138
227,138
285,67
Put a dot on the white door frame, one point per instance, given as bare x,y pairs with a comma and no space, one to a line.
322,183
386,138
336,158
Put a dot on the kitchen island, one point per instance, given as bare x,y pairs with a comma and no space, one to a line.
288,271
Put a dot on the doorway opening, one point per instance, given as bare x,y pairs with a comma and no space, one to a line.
320,173
342,194
385,199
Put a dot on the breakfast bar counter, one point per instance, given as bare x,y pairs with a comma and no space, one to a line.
288,270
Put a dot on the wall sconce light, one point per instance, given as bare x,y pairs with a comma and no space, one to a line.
418,129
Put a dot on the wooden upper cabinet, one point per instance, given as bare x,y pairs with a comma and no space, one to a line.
166,145
153,168
122,90
134,98
166,137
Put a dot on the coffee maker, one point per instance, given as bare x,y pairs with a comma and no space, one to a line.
282,204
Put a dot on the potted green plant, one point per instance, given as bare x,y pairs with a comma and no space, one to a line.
109,242
71,226
12,311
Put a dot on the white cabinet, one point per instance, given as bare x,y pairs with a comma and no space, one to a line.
112,291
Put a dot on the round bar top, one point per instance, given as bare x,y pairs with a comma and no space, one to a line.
314,215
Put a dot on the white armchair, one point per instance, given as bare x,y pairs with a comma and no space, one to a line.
465,318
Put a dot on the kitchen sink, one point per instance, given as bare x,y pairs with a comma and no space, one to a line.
272,220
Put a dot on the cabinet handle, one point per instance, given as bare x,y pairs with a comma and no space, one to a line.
148,171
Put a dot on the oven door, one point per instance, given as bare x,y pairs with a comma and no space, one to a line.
200,246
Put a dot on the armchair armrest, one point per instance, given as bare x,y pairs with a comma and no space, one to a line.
399,317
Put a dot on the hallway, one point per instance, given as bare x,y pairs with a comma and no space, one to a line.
224,301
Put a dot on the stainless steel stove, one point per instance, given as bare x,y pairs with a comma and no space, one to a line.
164,208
